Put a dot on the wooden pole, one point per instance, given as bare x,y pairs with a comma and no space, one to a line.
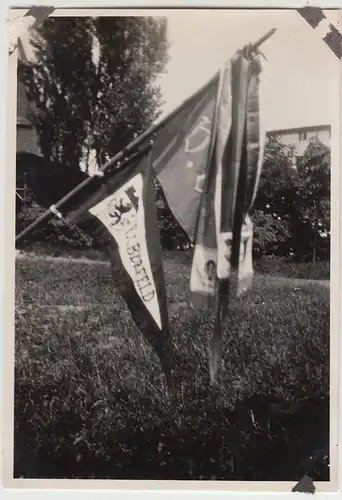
263,39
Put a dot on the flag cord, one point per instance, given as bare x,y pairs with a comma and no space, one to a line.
129,148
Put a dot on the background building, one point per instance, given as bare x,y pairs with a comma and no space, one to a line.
301,136
27,139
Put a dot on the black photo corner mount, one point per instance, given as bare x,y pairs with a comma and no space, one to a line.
305,485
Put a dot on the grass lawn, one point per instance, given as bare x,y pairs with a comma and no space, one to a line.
90,399
271,266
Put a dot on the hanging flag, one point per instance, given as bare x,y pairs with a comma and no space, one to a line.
235,141
240,178
232,176
180,156
121,214
241,166
204,263
233,155
209,239
255,133
255,143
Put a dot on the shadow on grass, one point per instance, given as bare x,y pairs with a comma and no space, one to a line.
260,440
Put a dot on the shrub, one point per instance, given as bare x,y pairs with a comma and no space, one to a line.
298,270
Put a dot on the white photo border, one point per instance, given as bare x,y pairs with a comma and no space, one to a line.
126,489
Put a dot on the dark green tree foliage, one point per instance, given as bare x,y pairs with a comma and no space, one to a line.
92,85
270,234
57,84
133,52
275,207
314,200
279,179
82,102
47,180
292,208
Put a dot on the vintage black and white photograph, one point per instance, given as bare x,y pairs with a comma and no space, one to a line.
173,240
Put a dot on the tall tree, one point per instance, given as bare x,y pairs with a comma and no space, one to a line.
275,206
93,84
314,171
279,179
271,235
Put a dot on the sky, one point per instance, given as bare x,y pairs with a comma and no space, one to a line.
301,77
300,80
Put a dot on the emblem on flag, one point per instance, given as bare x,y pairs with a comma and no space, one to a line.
123,215
199,137
225,250
186,161
203,273
211,273
197,141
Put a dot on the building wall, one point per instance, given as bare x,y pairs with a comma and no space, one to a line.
324,136
300,138
22,102
27,141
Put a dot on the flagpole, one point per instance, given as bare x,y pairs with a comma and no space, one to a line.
263,39
53,210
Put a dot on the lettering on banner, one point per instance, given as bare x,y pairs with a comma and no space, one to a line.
123,214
